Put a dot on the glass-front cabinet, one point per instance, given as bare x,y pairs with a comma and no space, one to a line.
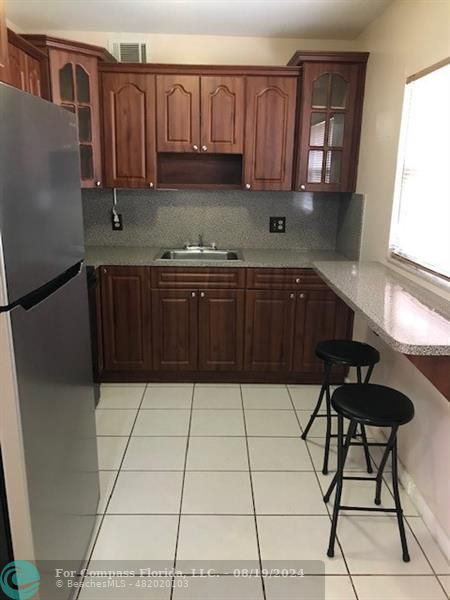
75,87
329,126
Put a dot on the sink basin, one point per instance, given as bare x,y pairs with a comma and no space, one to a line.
200,254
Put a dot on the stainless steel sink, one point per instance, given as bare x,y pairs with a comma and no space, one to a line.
198,253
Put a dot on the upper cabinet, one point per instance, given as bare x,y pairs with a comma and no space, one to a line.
178,113
329,121
222,114
269,132
129,123
200,114
28,66
4,74
74,86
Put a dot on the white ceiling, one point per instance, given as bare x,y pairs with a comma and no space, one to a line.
333,19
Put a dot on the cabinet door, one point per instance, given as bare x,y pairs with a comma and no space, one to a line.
269,323
178,113
175,326
269,132
320,315
74,83
4,70
128,102
33,76
125,300
221,330
329,127
222,114
17,67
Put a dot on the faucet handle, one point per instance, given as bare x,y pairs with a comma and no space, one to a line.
213,245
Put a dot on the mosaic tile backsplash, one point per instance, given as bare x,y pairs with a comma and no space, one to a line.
230,218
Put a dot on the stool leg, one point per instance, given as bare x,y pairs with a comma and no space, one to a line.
366,449
326,454
350,433
363,429
341,456
315,412
379,478
398,506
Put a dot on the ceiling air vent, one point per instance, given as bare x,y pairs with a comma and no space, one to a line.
129,52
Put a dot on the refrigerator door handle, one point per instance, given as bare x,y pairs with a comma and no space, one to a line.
36,296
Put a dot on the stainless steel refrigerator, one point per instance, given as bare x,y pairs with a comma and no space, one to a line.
47,418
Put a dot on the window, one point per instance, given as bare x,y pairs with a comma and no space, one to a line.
420,229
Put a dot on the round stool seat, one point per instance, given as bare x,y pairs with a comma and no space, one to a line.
373,404
347,352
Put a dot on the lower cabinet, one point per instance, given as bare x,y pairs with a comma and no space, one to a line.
195,330
319,316
126,319
154,332
269,319
175,330
221,330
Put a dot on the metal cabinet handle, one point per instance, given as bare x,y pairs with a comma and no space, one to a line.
248,186
98,183
291,296
151,184
193,294
301,296
303,186
204,148
202,294
195,148
105,271
297,280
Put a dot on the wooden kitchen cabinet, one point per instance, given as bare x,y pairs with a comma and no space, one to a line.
269,324
269,133
175,329
4,58
329,120
126,319
74,85
178,113
200,113
222,114
221,330
319,315
129,123
28,66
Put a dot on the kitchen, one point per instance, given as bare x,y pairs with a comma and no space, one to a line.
243,210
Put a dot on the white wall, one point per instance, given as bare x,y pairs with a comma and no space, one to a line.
208,49
409,36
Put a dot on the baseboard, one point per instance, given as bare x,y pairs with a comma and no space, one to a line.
441,538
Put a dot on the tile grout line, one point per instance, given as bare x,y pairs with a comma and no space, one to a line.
103,514
258,545
326,505
183,479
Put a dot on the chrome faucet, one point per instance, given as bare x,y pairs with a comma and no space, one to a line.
200,244
200,240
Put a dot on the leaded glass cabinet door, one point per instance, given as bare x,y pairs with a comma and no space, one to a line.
329,127
75,87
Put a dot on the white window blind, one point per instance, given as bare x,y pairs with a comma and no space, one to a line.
420,230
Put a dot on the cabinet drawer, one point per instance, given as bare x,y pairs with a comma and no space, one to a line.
197,277
283,279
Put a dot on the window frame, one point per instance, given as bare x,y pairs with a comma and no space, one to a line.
398,257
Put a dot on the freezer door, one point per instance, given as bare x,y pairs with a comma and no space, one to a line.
56,398
41,225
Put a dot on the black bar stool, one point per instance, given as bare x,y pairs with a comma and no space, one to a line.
378,406
347,353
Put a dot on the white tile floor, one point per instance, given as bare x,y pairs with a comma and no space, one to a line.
219,474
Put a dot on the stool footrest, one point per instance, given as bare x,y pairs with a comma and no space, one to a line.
370,509
355,478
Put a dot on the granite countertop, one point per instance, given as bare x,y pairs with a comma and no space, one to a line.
148,256
409,318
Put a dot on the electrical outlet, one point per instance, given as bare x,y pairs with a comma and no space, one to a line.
277,225
116,220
